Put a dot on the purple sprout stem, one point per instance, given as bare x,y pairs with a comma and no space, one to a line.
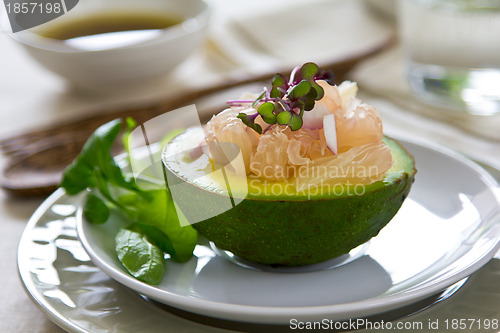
267,129
255,115
283,90
239,101
284,103
292,75
266,95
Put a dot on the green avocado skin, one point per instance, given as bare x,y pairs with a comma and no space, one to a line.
295,233
274,231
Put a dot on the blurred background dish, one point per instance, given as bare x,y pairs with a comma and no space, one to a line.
114,44
384,7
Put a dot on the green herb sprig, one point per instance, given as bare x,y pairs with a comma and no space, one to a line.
153,228
287,100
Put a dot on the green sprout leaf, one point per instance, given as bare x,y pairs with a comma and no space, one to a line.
266,110
325,75
310,98
284,117
311,72
291,119
259,98
249,120
307,71
296,122
300,90
289,98
279,86
318,90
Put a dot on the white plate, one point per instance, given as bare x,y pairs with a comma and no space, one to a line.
447,229
76,295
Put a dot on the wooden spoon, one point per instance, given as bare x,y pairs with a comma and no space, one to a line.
37,158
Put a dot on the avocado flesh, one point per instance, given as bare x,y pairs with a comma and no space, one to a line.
287,228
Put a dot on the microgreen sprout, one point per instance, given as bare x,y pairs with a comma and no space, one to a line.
287,100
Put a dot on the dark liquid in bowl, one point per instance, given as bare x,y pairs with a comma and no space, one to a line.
109,29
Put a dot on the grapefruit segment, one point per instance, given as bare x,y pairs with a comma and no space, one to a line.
357,124
360,165
270,159
226,127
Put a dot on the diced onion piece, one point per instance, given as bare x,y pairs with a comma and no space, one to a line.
196,152
330,132
206,150
314,119
347,89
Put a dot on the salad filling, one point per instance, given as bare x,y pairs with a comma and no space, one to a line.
336,139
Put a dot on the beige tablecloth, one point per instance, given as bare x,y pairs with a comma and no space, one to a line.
31,97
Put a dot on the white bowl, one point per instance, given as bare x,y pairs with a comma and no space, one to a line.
131,63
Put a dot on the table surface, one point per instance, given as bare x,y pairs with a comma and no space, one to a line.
31,97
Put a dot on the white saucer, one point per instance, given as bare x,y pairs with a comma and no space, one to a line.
447,229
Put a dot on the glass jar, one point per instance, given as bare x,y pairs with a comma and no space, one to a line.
453,52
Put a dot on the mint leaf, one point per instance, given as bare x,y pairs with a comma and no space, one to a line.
155,236
96,162
149,206
95,210
142,259
157,210
77,177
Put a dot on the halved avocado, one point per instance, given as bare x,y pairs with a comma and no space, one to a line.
291,227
